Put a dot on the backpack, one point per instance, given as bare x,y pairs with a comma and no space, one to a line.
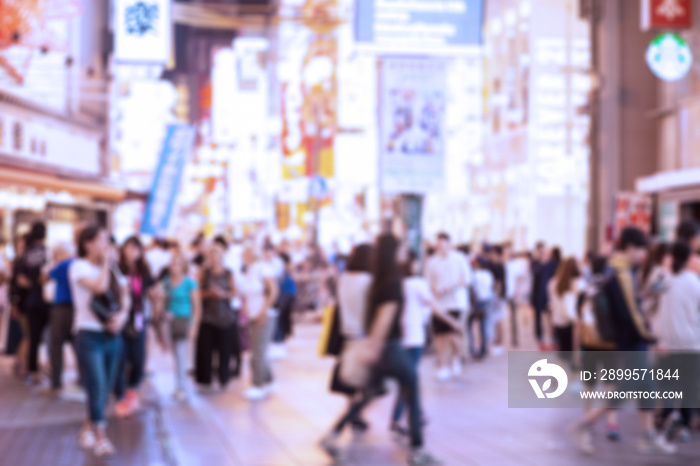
597,323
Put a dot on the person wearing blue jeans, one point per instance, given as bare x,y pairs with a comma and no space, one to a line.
414,355
98,342
480,314
99,355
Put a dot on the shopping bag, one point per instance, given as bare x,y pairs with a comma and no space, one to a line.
326,327
354,371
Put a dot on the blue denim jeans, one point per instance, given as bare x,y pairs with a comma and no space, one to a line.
414,355
132,364
98,355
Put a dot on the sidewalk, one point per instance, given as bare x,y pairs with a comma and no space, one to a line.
37,430
469,423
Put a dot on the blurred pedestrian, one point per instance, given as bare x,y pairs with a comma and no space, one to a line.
631,335
688,231
517,277
218,322
132,365
383,350
496,318
654,279
17,302
564,291
31,278
544,266
62,313
102,301
182,304
285,304
483,291
259,289
353,298
419,306
678,332
449,275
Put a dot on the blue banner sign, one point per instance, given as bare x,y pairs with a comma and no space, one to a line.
177,149
423,24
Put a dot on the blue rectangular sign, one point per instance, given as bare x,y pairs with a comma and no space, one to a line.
177,149
420,24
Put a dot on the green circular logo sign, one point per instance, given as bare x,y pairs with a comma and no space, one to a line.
669,57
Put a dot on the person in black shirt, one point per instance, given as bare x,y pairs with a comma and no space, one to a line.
31,278
384,350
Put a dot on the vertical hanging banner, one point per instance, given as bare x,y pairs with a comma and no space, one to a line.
142,31
412,125
177,149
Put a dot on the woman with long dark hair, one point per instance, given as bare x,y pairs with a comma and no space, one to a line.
564,290
98,342
132,264
383,349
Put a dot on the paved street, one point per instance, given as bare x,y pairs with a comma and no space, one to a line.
469,423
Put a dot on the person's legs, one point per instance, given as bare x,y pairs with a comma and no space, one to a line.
60,326
396,364
23,348
138,361
538,323
120,373
203,354
414,355
225,350
257,348
470,331
92,370
236,350
38,318
270,326
180,353
513,305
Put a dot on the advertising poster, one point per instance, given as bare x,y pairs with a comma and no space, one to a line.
142,31
632,209
412,96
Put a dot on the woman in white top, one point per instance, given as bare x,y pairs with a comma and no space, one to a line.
259,289
677,327
654,279
563,291
98,343
353,288
353,296
419,306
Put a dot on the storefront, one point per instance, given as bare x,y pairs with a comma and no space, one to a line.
51,169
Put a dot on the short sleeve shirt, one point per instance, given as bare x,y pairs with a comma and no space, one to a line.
252,287
59,274
179,298
390,291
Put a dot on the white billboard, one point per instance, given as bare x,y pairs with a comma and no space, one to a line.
142,31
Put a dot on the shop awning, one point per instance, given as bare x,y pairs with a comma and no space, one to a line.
670,180
92,189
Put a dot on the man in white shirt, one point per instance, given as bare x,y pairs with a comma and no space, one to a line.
449,274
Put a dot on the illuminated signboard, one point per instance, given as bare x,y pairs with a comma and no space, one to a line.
142,31
425,25
669,57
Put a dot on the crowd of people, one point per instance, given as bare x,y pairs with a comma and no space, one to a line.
102,298
389,305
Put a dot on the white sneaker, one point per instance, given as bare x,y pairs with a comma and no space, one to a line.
584,441
104,448
73,393
277,351
255,393
444,374
457,367
658,444
420,457
87,439
274,387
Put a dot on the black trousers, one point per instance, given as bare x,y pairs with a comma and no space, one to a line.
61,326
221,341
38,320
